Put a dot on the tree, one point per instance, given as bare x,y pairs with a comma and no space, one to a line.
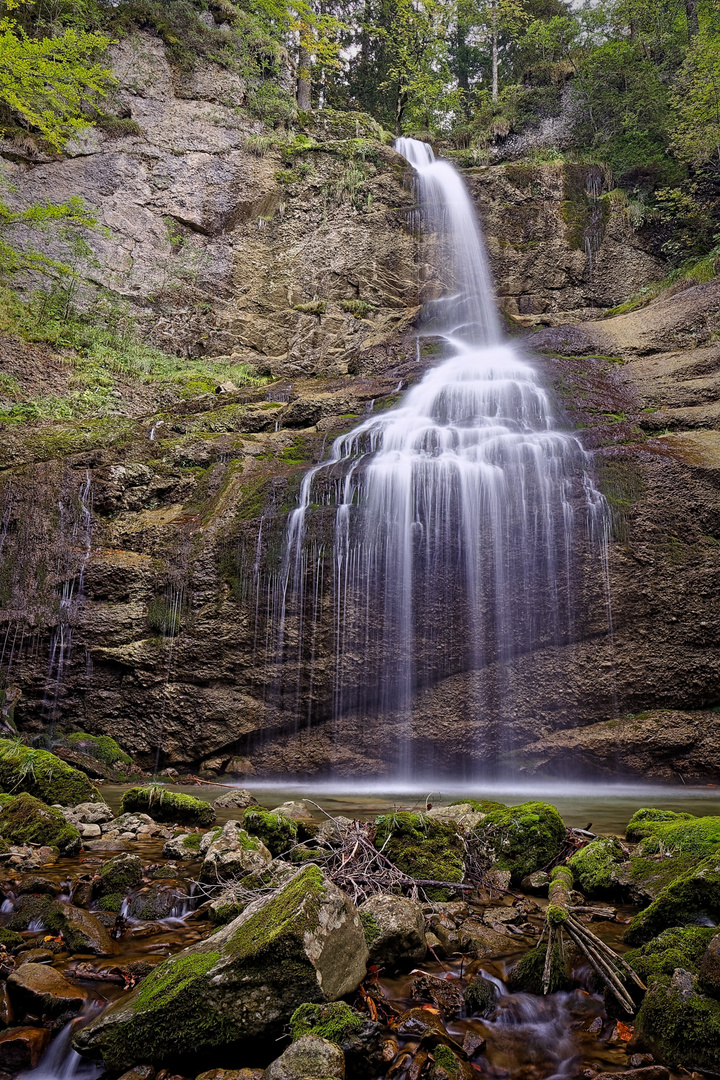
695,126
44,85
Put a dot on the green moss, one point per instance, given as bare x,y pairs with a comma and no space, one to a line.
527,975
371,928
39,773
192,841
101,747
28,909
690,898
480,996
622,483
680,1029
335,1022
522,838
677,947
446,1060
164,805
279,917
595,867
422,847
112,902
277,832
681,833
358,308
26,820
10,940
120,874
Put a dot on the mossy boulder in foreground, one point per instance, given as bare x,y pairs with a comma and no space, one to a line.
596,868
522,839
26,820
162,804
303,943
278,832
359,1038
424,848
39,773
679,1025
690,898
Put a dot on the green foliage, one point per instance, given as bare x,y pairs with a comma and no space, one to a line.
45,84
695,125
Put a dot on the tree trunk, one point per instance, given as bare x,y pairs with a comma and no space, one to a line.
400,110
691,11
494,50
304,84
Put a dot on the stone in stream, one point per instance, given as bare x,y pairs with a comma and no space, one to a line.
238,799
89,813
522,839
298,811
311,1056
140,1072
227,1074
43,991
394,930
461,815
234,853
359,1038
81,931
162,804
277,831
29,909
22,1048
159,900
119,875
480,996
597,868
303,943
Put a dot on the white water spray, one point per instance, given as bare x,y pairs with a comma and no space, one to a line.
457,515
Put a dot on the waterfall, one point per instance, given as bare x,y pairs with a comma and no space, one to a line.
456,522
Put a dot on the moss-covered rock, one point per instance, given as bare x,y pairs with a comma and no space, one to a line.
29,911
596,867
81,931
424,848
112,902
162,804
119,875
26,820
677,947
9,940
102,747
688,899
447,1065
480,996
360,1039
709,970
394,929
310,1056
643,822
277,831
303,943
681,834
522,839
480,806
39,773
234,854
527,975
680,1026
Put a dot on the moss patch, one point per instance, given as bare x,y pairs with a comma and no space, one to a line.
101,747
164,805
677,947
277,832
527,975
39,773
595,867
10,940
680,1029
335,1022
522,838
422,847
371,928
690,898
120,874
26,820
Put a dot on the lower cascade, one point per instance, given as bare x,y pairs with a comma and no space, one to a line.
450,536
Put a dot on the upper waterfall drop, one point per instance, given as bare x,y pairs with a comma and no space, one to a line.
459,516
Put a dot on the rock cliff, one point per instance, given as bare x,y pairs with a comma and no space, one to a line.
140,549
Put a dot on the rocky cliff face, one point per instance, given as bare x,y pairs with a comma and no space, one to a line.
140,551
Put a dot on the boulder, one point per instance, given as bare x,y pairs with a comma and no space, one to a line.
482,941
277,831
43,991
119,875
238,799
26,820
679,1025
309,1057
522,839
360,1039
234,853
162,804
677,947
159,901
423,848
81,931
183,848
43,775
690,897
29,912
394,930
480,996
22,1047
135,826
597,867
303,943
461,815
298,811
332,831
89,813
709,973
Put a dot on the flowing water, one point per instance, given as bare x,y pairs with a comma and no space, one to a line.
458,519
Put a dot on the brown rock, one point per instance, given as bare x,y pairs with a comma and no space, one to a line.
649,1072
22,1048
7,1013
44,991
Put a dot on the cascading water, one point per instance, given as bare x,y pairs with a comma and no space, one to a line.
456,522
